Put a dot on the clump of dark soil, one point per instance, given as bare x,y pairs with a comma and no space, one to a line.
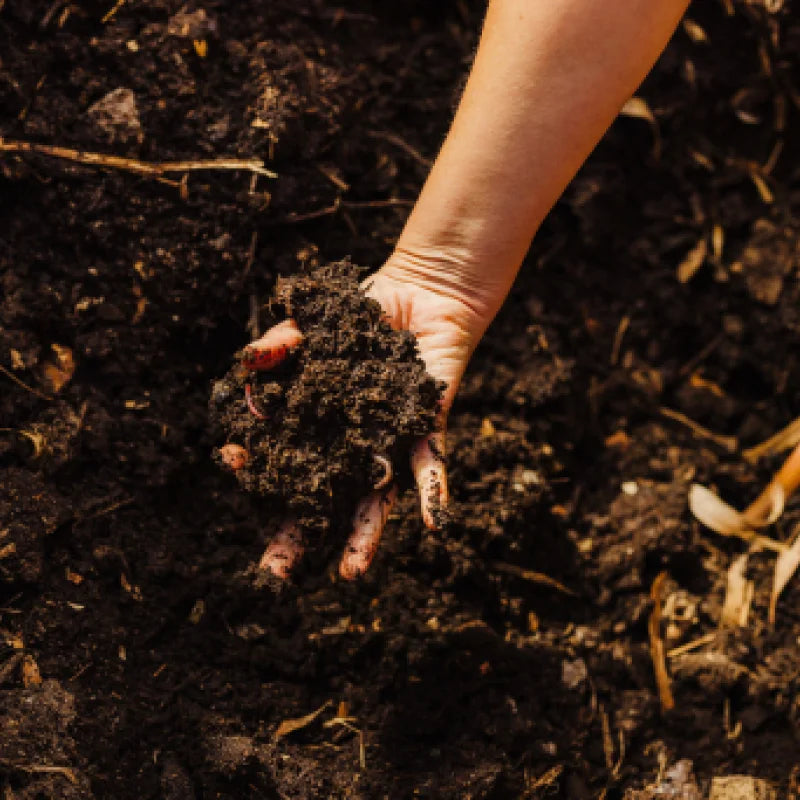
322,427
453,669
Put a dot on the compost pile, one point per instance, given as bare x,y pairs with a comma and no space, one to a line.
650,340
323,428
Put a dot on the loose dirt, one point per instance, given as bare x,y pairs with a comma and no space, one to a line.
507,657
325,426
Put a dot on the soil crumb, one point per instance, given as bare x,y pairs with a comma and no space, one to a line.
322,427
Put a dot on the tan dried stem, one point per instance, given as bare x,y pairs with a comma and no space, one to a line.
785,481
150,168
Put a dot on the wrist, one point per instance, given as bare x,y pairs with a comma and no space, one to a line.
454,272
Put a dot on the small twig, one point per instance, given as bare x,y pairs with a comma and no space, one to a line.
333,178
338,204
784,439
67,772
533,576
693,645
730,443
615,347
292,216
101,512
24,385
700,356
251,254
394,139
109,14
9,666
657,645
252,326
150,168
388,203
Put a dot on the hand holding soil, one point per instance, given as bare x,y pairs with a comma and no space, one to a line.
332,355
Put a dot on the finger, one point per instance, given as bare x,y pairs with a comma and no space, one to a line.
430,473
284,551
234,456
273,347
368,524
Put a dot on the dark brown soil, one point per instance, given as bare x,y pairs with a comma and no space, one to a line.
136,659
353,390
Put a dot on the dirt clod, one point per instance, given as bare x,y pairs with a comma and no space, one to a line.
320,427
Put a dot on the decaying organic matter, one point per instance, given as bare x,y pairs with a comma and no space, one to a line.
315,429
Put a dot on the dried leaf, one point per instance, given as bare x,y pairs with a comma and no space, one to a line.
715,513
692,261
291,725
727,521
738,595
785,566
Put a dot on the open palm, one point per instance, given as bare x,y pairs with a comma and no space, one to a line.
445,327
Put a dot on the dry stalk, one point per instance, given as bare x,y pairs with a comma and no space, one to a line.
154,169
657,646
24,385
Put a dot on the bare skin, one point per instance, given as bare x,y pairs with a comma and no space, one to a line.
548,79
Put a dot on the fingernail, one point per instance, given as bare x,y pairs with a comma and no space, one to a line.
234,456
264,358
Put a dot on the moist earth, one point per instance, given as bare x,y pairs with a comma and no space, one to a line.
324,427
507,657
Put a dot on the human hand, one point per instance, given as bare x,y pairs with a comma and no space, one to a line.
447,323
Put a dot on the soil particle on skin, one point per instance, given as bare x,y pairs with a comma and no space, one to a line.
321,427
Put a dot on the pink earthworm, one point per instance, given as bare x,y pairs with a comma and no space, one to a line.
248,396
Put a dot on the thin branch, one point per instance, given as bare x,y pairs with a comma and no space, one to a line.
24,385
729,443
150,168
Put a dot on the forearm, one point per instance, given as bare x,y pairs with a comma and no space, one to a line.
548,79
